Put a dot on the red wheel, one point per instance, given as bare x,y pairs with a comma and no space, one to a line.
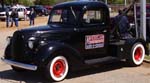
58,68
138,54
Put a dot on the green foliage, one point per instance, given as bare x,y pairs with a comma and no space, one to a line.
119,1
115,1
25,2
44,2
7,1
147,57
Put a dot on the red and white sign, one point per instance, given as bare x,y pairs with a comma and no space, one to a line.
94,41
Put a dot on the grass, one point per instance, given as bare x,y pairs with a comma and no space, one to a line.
147,57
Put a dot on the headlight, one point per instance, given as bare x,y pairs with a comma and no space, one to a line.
31,42
8,39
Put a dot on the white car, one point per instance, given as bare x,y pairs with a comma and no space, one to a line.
20,9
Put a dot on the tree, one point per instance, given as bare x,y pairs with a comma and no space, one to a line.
25,2
59,1
44,2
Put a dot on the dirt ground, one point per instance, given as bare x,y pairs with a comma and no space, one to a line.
4,32
23,24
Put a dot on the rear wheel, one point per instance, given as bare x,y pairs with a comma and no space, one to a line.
137,54
57,68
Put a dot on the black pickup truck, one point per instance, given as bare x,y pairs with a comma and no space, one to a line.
77,36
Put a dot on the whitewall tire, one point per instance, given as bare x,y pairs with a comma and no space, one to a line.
58,68
137,54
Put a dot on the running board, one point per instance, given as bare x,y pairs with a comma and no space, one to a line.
100,60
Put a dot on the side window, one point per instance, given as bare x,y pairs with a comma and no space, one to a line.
18,9
64,16
93,16
22,10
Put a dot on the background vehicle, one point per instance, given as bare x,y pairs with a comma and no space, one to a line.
49,8
40,10
21,9
2,13
78,36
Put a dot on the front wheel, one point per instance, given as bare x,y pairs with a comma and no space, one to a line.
137,55
57,68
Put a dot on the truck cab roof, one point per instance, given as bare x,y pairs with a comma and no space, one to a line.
82,4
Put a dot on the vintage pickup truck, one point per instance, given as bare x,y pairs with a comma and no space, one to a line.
77,36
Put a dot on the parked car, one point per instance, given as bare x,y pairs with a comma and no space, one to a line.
20,9
40,10
3,13
49,8
78,36
2,9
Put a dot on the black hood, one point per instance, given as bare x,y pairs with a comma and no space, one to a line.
37,28
53,30
47,28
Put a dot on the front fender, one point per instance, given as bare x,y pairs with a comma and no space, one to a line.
7,53
45,53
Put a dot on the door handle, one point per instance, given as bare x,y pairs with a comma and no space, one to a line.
105,31
77,30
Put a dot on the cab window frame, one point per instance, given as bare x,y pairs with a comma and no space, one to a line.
102,19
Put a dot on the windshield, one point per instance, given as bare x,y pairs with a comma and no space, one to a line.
64,16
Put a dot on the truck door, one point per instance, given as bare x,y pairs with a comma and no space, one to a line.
95,35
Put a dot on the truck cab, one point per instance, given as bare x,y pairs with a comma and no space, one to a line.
88,26
77,34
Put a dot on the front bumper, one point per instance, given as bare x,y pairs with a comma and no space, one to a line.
20,65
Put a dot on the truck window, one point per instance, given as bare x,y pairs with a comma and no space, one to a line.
56,16
93,17
64,16
19,9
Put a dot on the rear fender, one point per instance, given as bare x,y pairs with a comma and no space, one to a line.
130,42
